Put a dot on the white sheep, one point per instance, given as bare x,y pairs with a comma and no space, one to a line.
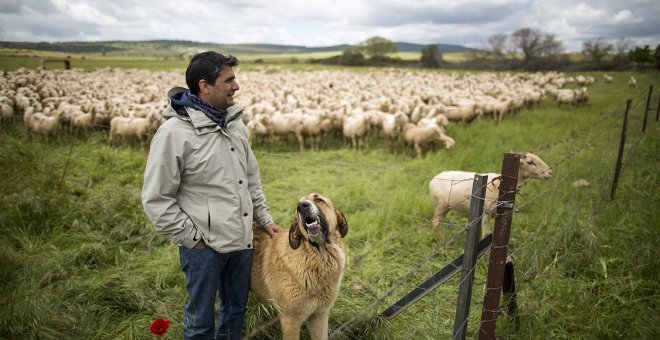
6,113
392,128
83,122
139,128
43,125
632,82
356,128
422,137
452,190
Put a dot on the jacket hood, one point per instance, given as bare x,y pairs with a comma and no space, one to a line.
177,107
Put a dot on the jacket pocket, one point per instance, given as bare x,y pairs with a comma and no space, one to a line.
225,225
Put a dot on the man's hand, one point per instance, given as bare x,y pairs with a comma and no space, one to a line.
272,229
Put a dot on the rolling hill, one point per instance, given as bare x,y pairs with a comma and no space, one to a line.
183,47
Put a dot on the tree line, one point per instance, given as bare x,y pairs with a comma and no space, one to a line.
527,49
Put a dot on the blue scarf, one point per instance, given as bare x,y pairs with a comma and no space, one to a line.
186,98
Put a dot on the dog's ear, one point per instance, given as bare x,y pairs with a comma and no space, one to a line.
342,225
294,235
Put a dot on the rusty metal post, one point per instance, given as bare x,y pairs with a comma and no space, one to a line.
498,253
646,109
470,256
622,143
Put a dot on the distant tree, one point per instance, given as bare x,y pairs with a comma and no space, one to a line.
528,41
596,48
550,46
431,57
378,47
498,44
535,44
623,45
641,56
352,56
657,57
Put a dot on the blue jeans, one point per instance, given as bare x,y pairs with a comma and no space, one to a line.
210,274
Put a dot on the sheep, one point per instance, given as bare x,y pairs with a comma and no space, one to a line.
392,128
565,96
284,124
256,129
632,82
608,79
356,128
40,124
140,128
421,137
83,122
452,190
6,113
463,114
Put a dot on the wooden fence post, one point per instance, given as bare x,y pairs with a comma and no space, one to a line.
657,110
646,110
498,253
622,143
470,256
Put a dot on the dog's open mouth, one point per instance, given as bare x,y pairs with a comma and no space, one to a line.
313,226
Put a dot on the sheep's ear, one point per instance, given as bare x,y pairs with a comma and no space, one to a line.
294,235
342,224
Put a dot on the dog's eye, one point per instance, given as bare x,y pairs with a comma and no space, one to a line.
318,199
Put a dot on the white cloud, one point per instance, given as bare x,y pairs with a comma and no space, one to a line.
626,17
325,22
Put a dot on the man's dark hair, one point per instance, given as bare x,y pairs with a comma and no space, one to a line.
207,66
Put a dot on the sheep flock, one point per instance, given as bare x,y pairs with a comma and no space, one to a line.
408,109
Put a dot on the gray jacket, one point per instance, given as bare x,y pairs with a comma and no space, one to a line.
201,182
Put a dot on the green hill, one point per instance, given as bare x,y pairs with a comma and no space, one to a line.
184,47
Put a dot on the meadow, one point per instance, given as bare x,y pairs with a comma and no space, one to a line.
81,261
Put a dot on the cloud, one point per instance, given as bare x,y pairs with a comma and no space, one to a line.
326,22
626,17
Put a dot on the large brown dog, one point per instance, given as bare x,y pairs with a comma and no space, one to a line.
300,271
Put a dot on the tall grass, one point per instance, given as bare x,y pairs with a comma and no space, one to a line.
80,260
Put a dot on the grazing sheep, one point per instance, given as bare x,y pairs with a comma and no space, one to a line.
256,129
392,128
452,190
632,82
285,124
6,113
608,79
566,96
43,125
139,128
83,122
356,128
422,137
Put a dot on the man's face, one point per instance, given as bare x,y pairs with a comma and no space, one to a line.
221,93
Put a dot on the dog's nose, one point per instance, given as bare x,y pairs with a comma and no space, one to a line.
304,205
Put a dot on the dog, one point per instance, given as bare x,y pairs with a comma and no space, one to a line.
300,271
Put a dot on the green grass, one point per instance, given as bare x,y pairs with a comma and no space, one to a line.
80,260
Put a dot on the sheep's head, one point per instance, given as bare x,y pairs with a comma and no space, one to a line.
532,166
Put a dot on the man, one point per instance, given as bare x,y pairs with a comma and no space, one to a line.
202,189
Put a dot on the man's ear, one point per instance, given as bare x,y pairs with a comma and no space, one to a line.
203,86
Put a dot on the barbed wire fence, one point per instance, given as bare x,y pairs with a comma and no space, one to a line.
598,135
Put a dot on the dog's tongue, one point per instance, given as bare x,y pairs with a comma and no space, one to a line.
313,228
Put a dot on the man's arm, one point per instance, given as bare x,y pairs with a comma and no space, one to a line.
162,176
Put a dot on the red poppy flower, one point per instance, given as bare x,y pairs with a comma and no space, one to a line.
159,327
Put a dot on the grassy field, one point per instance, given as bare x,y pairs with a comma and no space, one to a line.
80,260
12,59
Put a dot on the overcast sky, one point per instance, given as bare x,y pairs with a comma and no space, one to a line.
327,22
